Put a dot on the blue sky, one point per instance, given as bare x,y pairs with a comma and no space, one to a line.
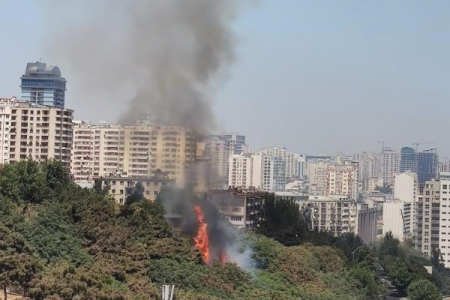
314,76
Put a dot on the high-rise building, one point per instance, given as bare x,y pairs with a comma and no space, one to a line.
273,173
287,156
318,177
407,160
342,180
34,131
369,167
428,217
240,174
134,151
427,165
42,84
219,149
390,165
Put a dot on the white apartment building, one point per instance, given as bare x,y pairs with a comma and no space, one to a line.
444,217
288,157
5,128
132,151
335,214
342,179
300,166
390,165
428,218
318,177
273,173
34,131
240,171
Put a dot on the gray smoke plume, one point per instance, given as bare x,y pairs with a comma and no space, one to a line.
144,57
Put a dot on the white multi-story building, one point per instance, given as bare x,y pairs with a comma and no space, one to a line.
397,218
273,173
444,217
34,131
240,174
288,157
390,165
428,218
219,149
5,128
299,166
335,214
374,183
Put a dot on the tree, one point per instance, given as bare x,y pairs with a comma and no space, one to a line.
423,290
399,275
17,263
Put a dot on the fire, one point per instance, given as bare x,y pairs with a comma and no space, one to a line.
201,240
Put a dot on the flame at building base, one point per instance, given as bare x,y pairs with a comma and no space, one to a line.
202,239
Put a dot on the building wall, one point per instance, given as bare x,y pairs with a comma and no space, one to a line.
390,165
444,217
427,216
134,151
34,131
342,180
334,214
393,220
317,176
368,223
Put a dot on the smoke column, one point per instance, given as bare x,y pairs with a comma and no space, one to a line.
144,57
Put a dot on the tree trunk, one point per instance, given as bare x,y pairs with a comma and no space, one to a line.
5,295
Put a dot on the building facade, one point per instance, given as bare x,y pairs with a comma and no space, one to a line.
335,214
42,84
390,165
407,160
120,188
318,177
35,131
133,151
342,179
427,165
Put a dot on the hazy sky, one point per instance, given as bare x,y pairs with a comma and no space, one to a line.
318,77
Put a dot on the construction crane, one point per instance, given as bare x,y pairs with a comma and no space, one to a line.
420,143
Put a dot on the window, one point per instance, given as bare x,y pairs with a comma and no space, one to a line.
444,187
236,218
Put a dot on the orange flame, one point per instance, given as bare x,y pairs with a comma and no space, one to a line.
201,240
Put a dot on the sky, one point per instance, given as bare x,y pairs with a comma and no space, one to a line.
317,77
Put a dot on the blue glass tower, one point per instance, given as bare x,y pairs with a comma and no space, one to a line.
408,160
42,84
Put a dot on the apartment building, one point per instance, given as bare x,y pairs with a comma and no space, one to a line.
122,187
390,165
242,208
318,177
370,222
342,179
133,151
287,157
273,177
428,217
30,130
369,167
240,170
336,214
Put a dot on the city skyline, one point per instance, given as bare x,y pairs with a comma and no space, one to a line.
341,66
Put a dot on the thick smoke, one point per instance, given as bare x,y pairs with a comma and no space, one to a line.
144,57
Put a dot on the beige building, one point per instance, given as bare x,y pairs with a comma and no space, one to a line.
34,131
342,179
317,176
133,151
122,187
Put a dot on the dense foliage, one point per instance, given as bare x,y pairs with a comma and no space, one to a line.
59,241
